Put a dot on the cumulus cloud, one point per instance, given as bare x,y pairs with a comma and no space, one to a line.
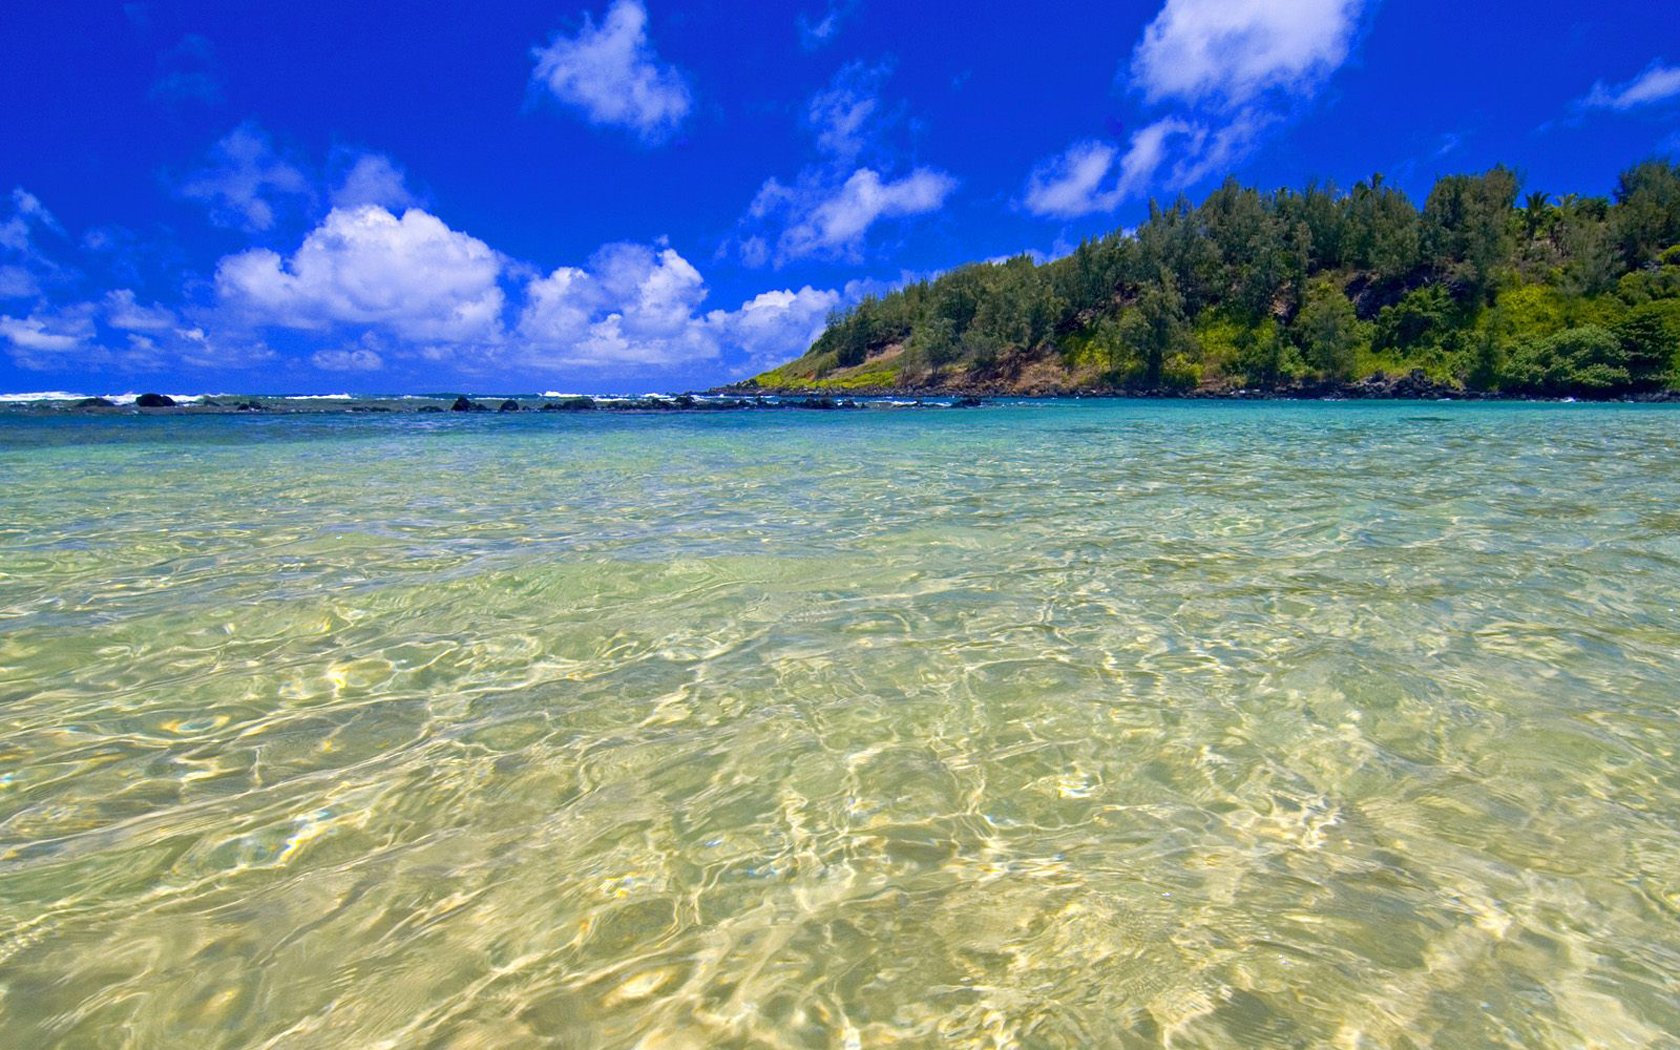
639,306
374,179
1229,67
632,305
1230,51
610,73
412,276
245,180
774,327
1659,83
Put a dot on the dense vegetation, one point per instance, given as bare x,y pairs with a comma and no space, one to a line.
1485,288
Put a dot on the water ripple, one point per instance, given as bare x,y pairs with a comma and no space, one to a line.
1114,724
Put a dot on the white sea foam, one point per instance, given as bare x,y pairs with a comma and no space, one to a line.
320,397
40,395
179,399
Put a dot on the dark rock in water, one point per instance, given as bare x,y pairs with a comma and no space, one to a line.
154,401
208,402
463,405
823,403
431,408
510,405
251,406
369,408
967,402
571,404
94,402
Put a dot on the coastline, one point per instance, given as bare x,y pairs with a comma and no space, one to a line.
740,398
1414,387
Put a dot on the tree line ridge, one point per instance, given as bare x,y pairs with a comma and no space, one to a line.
1484,288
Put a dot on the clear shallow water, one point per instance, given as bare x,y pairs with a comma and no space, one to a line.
1115,724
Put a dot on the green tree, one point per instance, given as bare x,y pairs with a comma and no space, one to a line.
1329,331
1646,218
1536,214
1649,343
1467,226
1155,327
1588,359
1383,232
934,343
1265,358
1423,317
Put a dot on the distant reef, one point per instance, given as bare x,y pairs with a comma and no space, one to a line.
1487,290
162,404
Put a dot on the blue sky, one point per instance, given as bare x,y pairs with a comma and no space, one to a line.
627,195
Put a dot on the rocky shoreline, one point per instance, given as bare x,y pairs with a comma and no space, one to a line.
161,404
1415,386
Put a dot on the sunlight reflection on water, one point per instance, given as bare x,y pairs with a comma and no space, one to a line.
1090,724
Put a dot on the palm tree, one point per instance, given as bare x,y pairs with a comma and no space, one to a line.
1537,213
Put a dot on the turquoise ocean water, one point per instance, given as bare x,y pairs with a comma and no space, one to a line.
1045,725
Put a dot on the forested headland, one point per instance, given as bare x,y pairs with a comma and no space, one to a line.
1488,287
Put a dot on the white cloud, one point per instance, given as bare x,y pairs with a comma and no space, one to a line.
814,34
27,211
149,338
17,283
840,113
244,180
611,73
24,266
774,327
839,223
636,307
358,360
52,339
123,311
830,221
53,334
1070,185
412,276
1074,183
196,348
1657,84
374,179
1230,68
829,207
755,252
633,305
1230,51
